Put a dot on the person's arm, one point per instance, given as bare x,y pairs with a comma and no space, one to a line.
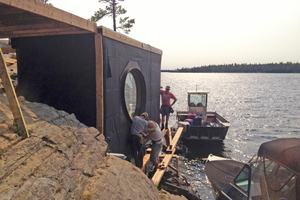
173,102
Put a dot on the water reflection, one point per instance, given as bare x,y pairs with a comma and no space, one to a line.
192,162
260,107
199,149
130,94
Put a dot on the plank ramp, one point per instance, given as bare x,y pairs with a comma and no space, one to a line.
167,158
146,158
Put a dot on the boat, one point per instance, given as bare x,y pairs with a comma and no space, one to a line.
198,123
272,173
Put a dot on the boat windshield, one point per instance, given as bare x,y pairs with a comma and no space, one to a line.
269,180
197,100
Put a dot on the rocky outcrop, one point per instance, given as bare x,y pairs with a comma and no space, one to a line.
63,159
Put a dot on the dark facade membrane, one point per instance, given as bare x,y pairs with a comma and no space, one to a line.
60,71
119,60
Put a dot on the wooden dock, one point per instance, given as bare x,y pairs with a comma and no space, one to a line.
171,143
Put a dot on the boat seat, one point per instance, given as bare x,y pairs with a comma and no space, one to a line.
192,104
199,104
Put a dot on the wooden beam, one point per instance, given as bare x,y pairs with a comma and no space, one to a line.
38,24
168,157
12,98
164,132
99,82
175,139
106,32
170,137
146,159
160,172
10,60
45,10
41,32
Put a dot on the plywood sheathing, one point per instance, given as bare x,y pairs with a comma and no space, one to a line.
33,18
106,32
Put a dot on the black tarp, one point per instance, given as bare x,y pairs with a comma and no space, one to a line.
59,71
117,57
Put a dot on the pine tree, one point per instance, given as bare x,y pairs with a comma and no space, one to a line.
113,9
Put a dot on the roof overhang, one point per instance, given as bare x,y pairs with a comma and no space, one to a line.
28,18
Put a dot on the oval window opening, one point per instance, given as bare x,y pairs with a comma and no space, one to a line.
130,92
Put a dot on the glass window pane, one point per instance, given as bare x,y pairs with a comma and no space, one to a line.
130,94
197,100
277,176
243,179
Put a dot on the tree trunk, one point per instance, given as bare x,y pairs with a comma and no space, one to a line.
114,15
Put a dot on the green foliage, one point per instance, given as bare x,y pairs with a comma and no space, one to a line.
2,151
108,151
126,24
245,68
17,128
46,2
113,9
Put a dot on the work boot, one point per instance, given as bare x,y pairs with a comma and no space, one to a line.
162,126
166,125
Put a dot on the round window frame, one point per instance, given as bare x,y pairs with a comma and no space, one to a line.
133,68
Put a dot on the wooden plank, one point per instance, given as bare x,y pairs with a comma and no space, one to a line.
106,32
177,164
99,82
164,132
146,159
175,139
7,50
45,10
167,137
10,60
160,172
168,157
177,170
41,32
12,98
163,155
170,138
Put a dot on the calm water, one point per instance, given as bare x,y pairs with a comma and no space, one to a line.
260,108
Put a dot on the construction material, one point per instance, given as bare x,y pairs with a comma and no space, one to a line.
171,148
12,99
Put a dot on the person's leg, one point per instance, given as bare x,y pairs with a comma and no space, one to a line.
135,142
164,113
140,154
162,119
167,121
156,149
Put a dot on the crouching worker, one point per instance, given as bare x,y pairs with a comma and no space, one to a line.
155,135
138,127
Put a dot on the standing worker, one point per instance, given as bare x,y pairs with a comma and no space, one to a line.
166,105
154,134
138,127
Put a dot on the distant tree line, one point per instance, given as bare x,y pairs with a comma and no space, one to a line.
288,67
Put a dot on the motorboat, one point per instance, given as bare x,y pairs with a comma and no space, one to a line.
198,123
273,173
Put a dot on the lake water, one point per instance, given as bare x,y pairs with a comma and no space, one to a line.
260,107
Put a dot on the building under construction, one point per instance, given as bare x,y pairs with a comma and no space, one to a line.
67,62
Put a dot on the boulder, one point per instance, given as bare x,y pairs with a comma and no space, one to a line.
62,159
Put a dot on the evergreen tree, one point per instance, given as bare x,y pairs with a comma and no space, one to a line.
113,9
46,2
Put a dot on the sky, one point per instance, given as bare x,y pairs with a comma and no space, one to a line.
198,33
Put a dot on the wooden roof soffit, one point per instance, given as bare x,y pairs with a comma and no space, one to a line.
27,18
106,32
